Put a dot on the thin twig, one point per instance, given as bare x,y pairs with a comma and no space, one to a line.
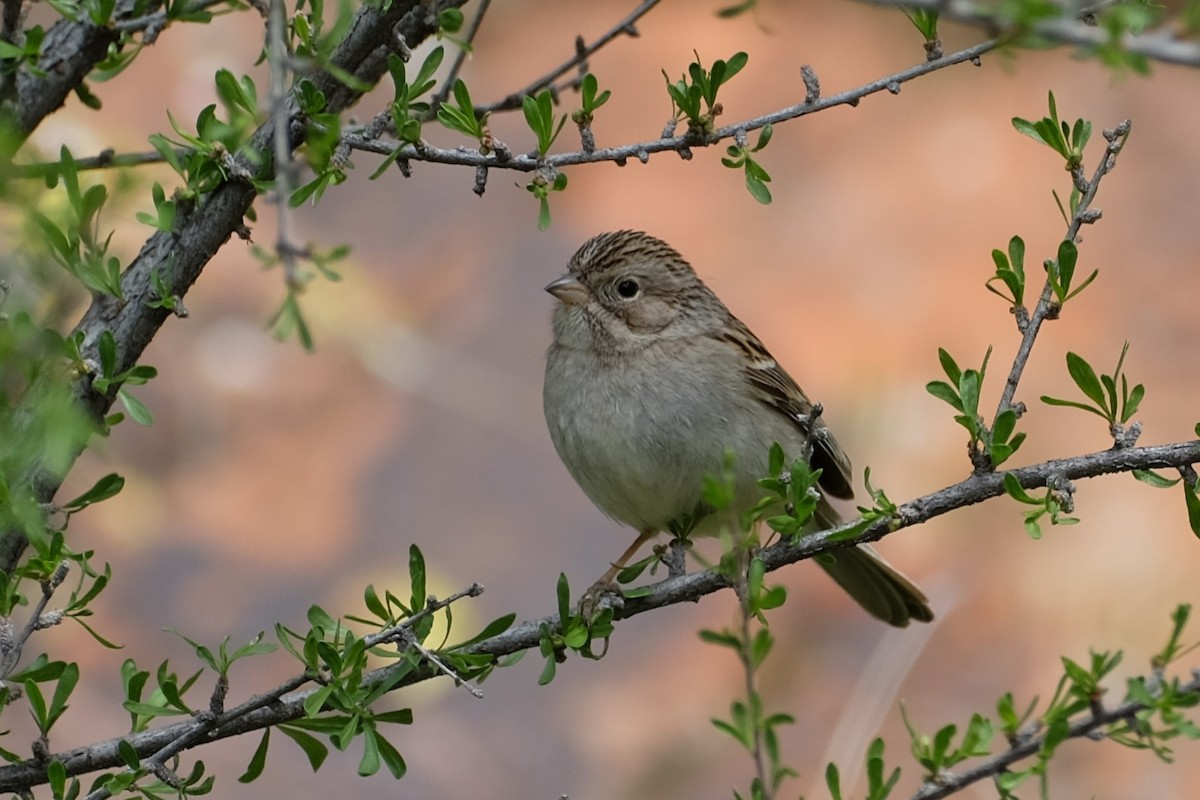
105,159
748,670
432,606
158,20
198,729
1045,306
626,26
459,59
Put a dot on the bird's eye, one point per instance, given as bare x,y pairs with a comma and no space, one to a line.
627,288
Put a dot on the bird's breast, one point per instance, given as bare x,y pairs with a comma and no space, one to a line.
639,439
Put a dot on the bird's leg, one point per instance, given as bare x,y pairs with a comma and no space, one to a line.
608,581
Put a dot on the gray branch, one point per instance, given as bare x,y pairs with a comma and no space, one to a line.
276,706
463,156
1047,308
1161,44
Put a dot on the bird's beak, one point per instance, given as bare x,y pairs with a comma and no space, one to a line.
569,290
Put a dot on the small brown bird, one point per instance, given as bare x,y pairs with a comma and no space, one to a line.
650,381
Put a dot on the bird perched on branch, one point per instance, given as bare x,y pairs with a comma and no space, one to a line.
650,380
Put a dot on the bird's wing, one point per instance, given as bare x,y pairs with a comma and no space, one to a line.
775,388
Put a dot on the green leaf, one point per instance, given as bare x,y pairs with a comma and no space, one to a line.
1005,423
129,755
494,628
416,574
1068,255
949,366
758,187
108,486
1054,401
1151,478
314,750
1132,402
138,411
37,705
944,391
735,64
563,593
56,776
1013,489
391,757
775,460
1085,378
370,761
968,390
62,691
1193,507
833,781
1028,128
258,761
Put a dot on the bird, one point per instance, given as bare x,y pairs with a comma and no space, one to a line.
650,380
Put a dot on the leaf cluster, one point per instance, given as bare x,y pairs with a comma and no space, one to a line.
694,95
76,243
998,442
575,632
408,109
1115,405
1052,505
590,99
740,156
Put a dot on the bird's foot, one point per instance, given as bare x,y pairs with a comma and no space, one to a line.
602,594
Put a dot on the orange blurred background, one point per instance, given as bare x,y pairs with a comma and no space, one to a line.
273,479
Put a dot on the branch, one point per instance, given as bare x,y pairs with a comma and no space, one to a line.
10,646
950,783
642,151
459,59
253,716
463,156
1046,309
1160,44
582,53
152,24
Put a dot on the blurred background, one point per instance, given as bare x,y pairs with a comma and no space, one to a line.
273,479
